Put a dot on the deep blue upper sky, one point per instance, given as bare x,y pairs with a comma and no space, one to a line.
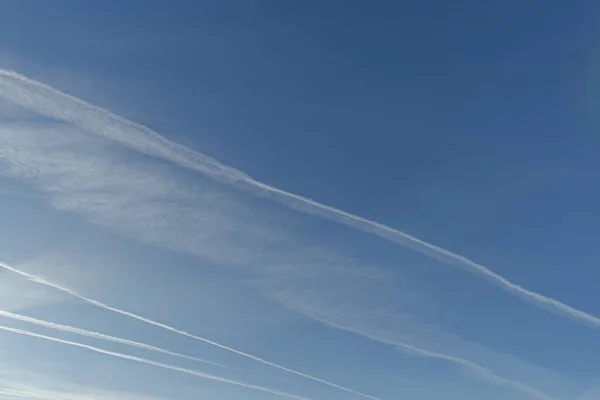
472,125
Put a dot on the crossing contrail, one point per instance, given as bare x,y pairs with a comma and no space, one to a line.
53,103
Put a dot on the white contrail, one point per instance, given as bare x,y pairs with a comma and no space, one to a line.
155,363
53,103
101,336
104,306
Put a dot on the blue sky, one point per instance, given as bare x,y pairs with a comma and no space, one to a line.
311,200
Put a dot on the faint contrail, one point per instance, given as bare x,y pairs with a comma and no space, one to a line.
53,103
490,375
101,336
104,306
154,363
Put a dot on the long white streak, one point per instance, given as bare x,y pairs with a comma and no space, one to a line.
463,362
101,336
155,363
104,306
53,103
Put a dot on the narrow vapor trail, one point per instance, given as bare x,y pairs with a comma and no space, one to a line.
106,307
101,336
487,373
53,103
155,363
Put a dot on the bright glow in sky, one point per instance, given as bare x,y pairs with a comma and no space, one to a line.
236,199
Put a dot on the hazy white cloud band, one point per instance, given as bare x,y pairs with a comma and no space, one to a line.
52,103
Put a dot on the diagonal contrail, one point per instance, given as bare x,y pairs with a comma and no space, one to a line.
53,103
101,336
104,306
488,374
154,363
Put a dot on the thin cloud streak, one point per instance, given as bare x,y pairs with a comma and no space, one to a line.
155,363
52,103
484,372
101,336
106,307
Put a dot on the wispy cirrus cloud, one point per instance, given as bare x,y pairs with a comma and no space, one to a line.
590,393
113,187
140,199
55,104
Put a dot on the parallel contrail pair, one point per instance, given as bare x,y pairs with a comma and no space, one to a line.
106,307
101,336
155,363
53,103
